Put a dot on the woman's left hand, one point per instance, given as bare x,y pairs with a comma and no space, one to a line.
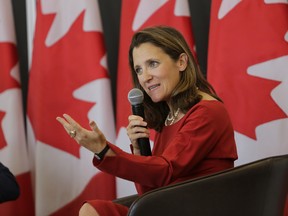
93,140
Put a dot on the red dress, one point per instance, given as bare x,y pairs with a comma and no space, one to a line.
201,143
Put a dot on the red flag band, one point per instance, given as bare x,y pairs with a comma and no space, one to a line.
13,148
247,64
69,74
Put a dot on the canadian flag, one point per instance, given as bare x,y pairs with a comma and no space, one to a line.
138,14
248,65
68,75
13,148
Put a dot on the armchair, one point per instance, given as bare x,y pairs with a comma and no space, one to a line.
258,188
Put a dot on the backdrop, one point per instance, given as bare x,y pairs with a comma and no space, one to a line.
246,63
110,13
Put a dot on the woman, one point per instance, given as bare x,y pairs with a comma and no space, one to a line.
194,135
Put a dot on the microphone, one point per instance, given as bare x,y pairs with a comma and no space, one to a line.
136,97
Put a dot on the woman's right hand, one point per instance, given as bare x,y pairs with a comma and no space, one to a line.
137,128
93,140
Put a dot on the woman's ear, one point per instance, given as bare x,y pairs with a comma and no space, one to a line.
182,61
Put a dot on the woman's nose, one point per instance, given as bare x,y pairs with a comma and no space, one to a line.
146,76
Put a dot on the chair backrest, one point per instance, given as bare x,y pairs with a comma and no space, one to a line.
257,189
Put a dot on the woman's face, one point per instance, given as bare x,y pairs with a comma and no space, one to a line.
157,73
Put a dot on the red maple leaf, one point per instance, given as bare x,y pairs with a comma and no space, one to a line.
8,53
57,71
8,60
252,33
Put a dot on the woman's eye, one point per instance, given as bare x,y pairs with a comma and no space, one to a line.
154,64
138,70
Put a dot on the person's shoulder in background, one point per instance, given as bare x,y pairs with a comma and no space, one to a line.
9,188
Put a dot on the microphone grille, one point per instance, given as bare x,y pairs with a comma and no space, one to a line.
135,96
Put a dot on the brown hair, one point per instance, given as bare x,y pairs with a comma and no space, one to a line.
185,95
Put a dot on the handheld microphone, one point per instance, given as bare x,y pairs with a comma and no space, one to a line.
136,97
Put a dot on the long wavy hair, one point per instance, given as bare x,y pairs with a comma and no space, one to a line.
185,94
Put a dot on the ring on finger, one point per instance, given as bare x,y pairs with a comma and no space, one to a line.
72,133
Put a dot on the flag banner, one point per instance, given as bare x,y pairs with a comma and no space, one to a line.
136,15
248,65
68,74
13,148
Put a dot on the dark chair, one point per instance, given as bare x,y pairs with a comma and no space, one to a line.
255,189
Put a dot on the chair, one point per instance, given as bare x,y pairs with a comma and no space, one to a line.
258,188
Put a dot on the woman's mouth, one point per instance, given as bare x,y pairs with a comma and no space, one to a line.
152,87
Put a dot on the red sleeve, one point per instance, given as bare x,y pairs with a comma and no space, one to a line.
138,169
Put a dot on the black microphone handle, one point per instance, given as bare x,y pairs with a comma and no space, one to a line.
144,146
144,143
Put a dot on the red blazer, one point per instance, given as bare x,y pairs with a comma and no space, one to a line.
200,143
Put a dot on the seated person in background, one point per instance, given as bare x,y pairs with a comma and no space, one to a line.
194,135
9,188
